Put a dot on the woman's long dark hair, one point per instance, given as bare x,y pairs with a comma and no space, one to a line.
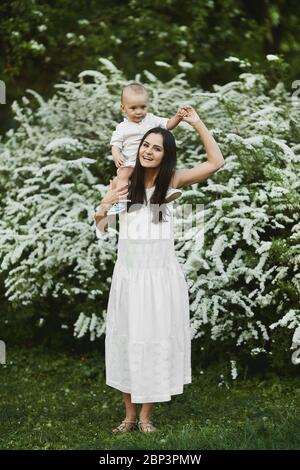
136,190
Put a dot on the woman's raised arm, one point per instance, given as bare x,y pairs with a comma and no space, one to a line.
214,161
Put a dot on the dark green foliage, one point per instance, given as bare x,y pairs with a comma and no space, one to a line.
133,34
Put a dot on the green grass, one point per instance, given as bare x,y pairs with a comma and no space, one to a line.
57,401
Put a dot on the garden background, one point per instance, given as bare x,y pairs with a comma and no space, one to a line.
64,64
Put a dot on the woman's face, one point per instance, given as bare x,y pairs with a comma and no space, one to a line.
152,151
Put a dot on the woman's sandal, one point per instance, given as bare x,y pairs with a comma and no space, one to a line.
125,426
146,426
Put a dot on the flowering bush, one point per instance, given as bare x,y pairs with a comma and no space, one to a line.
244,280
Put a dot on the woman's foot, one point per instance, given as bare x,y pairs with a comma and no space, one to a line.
117,208
146,425
172,194
127,425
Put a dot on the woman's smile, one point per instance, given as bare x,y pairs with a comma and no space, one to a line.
147,157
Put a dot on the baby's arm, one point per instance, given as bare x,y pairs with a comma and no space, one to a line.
116,143
175,120
117,156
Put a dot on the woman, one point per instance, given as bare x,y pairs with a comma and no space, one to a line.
147,344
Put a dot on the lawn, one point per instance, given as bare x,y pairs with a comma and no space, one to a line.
52,400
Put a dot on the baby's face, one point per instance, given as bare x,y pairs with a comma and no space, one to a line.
135,105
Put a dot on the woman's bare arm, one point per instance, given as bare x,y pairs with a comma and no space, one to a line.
215,160
101,217
111,197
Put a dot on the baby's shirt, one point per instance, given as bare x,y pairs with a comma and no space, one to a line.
127,135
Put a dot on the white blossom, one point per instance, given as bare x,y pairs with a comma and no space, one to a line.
53,172
233,370
185,65
42,28
67,142
35,46
160,63
272,57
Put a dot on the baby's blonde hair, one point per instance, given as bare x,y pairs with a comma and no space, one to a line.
137,88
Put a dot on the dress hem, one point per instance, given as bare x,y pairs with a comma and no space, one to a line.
147,399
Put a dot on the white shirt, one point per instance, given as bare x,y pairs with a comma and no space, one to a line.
127,135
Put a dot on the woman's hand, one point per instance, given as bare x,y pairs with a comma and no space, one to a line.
113,194
181,112
111,197
192,117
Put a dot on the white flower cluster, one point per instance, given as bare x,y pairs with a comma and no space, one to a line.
94,325
291,320
53,172
233,370
36,46
65,143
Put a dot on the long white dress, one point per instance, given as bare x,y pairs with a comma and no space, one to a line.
148,333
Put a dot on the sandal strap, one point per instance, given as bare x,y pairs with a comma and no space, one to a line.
148,425
122,426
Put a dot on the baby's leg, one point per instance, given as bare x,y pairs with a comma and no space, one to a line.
123,175
121,180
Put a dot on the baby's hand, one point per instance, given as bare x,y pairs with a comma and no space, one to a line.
192,116
119,160
182,112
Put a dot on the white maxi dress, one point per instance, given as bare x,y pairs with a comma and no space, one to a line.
148,333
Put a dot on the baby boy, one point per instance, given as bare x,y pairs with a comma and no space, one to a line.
126,138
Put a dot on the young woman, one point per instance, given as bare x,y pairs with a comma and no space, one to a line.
148,341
